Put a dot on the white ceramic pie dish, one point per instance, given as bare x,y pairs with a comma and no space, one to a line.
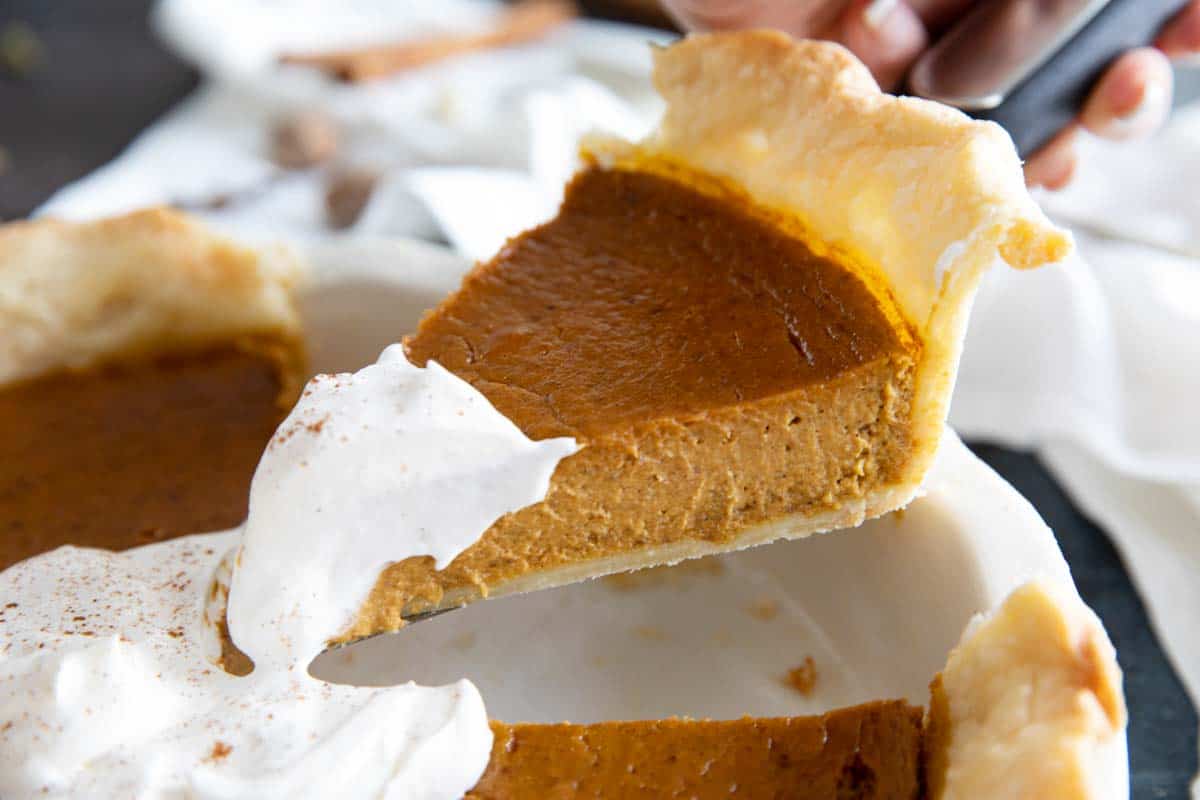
877,608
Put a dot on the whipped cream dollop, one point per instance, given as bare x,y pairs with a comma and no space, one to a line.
390,462
108,685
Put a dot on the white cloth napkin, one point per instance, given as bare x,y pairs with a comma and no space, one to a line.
470,149
1095,363
1147,192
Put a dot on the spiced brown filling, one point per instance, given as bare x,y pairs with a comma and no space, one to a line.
721,373
129,454
868,752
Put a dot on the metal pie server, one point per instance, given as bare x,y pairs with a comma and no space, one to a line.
1029,64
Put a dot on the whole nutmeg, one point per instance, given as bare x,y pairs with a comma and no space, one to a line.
303,140
347,194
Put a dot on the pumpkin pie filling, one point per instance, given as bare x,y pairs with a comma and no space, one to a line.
128,454
720,373
867,752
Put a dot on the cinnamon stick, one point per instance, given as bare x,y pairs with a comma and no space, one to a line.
524,21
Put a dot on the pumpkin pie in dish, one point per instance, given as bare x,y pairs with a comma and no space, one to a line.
750,321
1028,705
144,365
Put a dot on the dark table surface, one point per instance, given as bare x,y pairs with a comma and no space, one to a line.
102,78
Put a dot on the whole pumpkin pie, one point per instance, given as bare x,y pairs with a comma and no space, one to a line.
750,321
144,365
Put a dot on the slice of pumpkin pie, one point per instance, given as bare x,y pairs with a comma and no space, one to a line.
144,364
750,321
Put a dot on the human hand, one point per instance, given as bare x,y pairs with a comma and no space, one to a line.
1130,100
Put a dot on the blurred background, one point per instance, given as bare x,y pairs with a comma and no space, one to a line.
1085,406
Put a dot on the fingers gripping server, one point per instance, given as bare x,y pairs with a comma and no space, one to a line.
1029,64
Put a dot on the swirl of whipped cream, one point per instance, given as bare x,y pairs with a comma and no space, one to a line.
369,469
107,684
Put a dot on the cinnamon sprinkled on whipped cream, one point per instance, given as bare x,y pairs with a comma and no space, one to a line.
108,680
